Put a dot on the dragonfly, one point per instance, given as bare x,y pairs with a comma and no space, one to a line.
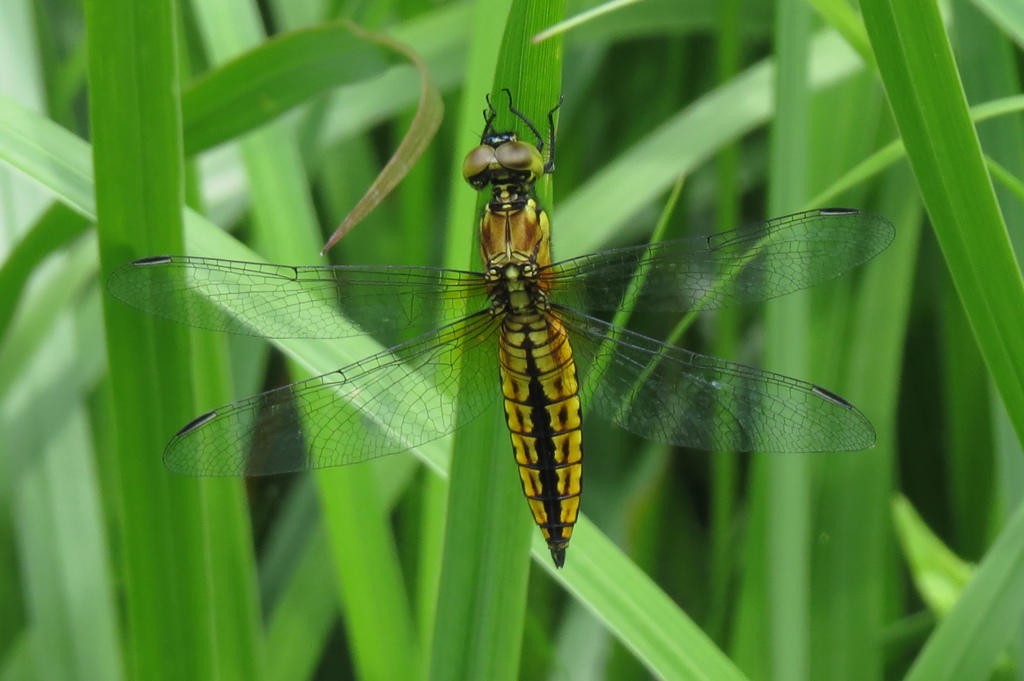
523,324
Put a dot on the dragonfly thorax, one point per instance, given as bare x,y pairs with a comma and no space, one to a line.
515,289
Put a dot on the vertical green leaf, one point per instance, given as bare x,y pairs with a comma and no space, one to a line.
482,594
917,67
788,348
136,130
920,76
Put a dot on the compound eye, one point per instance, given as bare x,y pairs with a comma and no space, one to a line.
520,156
477,161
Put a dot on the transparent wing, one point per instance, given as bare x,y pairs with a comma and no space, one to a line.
380,405
280,301
668,394
782,255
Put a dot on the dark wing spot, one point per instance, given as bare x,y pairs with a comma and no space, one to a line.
831,397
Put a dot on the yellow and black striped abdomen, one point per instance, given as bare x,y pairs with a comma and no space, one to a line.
542,409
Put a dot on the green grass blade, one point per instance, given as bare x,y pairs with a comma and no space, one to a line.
301,622
137,154
939,575
58,226
273,77
48,154
725,468
220,555
24,81
1007,14
231,569
989,67
895,150
788,349
928,101
917,67
968,641
844,18
482,593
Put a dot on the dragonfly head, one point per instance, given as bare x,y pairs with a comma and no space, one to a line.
502,159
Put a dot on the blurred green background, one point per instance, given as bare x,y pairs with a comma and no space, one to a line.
904,561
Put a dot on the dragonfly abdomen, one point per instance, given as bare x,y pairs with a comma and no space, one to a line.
543,413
